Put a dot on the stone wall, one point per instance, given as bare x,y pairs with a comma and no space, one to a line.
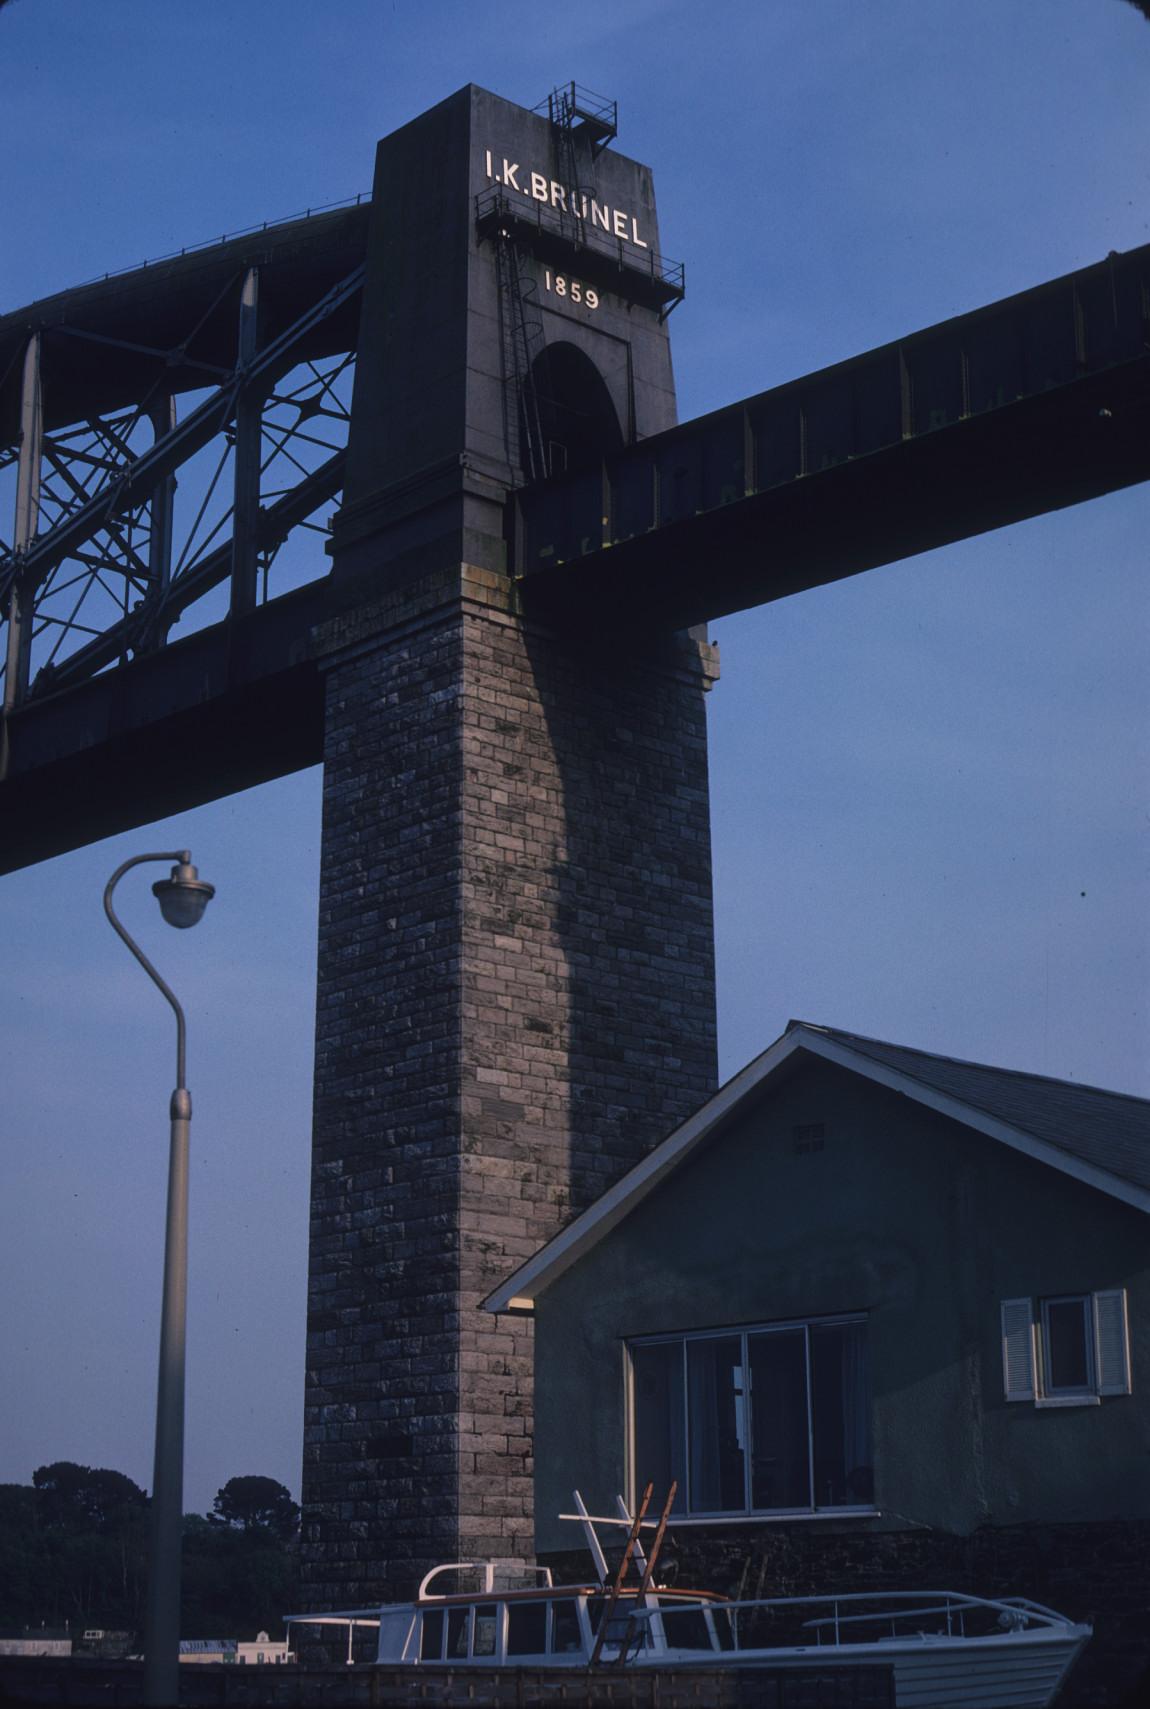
515,1002
28,1681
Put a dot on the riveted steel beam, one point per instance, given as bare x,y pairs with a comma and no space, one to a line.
246,470
1025,406
20,596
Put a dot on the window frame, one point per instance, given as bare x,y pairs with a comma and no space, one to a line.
745,1403
1024,1334
1066,1391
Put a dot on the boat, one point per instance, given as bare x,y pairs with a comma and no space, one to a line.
944,1648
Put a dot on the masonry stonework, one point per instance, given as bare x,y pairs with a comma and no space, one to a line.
516,1001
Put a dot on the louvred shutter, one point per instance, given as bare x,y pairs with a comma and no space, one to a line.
1112,1342
1018,1349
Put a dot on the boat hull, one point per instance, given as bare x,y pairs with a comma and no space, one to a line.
1023,1671
1016,1670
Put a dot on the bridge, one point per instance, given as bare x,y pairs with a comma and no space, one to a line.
1017,408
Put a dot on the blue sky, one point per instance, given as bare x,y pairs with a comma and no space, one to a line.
928,783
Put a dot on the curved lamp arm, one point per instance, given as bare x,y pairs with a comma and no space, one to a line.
181,857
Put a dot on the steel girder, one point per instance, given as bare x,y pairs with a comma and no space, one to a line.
102,563
1021,407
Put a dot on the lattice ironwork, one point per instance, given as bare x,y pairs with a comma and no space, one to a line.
177,504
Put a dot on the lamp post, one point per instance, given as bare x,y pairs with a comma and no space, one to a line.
182,898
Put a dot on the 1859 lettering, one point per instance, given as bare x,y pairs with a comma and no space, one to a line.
574,289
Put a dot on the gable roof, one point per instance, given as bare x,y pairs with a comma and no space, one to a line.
1099,1138
1108,1129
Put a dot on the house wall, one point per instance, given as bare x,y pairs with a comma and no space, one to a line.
923,1224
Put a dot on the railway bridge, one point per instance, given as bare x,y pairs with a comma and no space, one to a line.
400,486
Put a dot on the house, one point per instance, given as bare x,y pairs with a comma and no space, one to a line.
262,1651
36,1641
883,1317
196,1650
258,1651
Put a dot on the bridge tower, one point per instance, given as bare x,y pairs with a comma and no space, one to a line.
516,984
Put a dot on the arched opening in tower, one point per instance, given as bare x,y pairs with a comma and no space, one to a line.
577,419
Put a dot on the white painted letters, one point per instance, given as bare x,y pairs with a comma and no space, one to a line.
569,199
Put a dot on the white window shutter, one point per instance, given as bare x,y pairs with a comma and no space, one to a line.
1018,1349
1112,1342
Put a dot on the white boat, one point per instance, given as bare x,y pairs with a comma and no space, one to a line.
946,1650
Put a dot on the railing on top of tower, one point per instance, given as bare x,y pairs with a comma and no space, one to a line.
579,110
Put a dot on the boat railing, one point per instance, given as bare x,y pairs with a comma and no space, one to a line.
351,1620
1027,1606
496,1576
857,1616
828,1622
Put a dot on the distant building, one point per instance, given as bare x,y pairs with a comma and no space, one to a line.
101,1642
262,1651
207,1649
36,1641
884,1317
257,1651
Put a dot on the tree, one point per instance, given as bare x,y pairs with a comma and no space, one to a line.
73,1548
83,1498
26,1586
257,1504
89,1542
236,1582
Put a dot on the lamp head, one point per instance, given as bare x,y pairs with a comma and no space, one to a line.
184,896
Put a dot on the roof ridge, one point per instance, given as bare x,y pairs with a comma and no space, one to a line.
967,1062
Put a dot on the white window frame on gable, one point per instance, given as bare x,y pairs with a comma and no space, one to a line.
1030,1357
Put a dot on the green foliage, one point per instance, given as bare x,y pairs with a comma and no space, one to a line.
258,1504
76,1498
73,1551
26,1579
236,1582
72,1548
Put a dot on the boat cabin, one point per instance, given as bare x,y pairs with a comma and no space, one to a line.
542,1625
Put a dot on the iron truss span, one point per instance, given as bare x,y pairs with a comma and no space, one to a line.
169,436
1028,405
163,432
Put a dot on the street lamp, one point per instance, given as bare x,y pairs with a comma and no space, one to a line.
182,898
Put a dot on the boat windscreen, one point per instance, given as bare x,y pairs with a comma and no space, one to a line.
431,1637
686,1629
458,1627
721,1621
566,1635
527,1629
486,1628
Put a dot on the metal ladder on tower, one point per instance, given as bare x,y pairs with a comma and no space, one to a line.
523,343
562,110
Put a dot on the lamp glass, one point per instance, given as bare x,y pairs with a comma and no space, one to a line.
183,897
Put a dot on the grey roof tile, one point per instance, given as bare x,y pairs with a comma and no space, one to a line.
1110,1130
